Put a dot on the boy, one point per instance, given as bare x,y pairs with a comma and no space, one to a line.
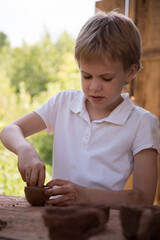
99,135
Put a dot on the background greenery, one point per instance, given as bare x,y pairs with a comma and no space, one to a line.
29,76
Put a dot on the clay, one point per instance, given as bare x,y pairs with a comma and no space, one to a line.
2,224
35,195
140,223
75,222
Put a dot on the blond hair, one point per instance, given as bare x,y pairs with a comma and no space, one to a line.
111,34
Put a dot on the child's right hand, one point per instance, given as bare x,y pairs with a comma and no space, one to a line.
31,167
13,136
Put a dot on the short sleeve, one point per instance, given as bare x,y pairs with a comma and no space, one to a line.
54,111
48,112
146,134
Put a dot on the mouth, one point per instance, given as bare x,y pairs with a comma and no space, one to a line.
96,98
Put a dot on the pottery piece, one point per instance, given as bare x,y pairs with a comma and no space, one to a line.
140,223
36,195
75,222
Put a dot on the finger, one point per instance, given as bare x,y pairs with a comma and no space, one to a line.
28,175
57,191
58,182
22,172
33,177
41,177
23,175
60,200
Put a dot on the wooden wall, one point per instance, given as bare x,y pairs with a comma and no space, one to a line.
146,85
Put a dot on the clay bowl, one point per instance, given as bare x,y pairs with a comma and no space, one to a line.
140,223
36,195
75,222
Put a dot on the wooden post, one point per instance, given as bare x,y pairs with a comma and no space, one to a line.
146,85
108,5
147,82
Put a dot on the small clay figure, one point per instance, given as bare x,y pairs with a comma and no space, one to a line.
75,222
35,195
140,223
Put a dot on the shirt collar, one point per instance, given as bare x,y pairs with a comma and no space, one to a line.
118,116
77,105
121,113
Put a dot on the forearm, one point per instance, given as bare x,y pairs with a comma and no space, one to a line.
144,184
30,166
115,199
13,139
72,194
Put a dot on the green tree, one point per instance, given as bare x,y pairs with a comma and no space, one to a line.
3,40
41,63
65,44
28,68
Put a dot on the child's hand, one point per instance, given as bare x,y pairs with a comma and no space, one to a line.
31,168
70,193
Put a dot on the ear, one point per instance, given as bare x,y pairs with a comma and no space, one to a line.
131,73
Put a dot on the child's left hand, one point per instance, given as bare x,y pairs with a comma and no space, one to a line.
71,193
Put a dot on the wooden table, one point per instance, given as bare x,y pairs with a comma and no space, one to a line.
25,222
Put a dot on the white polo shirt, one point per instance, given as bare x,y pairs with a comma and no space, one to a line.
96,154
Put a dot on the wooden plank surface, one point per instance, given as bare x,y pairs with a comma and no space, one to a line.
25,222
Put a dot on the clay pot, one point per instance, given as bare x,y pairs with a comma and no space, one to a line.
140,223
75,222
35,195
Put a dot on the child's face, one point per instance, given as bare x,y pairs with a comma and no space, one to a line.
102,84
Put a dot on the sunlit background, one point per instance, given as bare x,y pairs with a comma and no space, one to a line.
28,20
37,39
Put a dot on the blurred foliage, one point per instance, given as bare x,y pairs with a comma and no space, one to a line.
3,40
30,75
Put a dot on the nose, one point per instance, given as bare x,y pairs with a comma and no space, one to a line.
95,85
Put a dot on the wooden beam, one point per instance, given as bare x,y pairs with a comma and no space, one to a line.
109,5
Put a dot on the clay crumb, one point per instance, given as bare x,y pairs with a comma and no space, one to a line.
2,224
